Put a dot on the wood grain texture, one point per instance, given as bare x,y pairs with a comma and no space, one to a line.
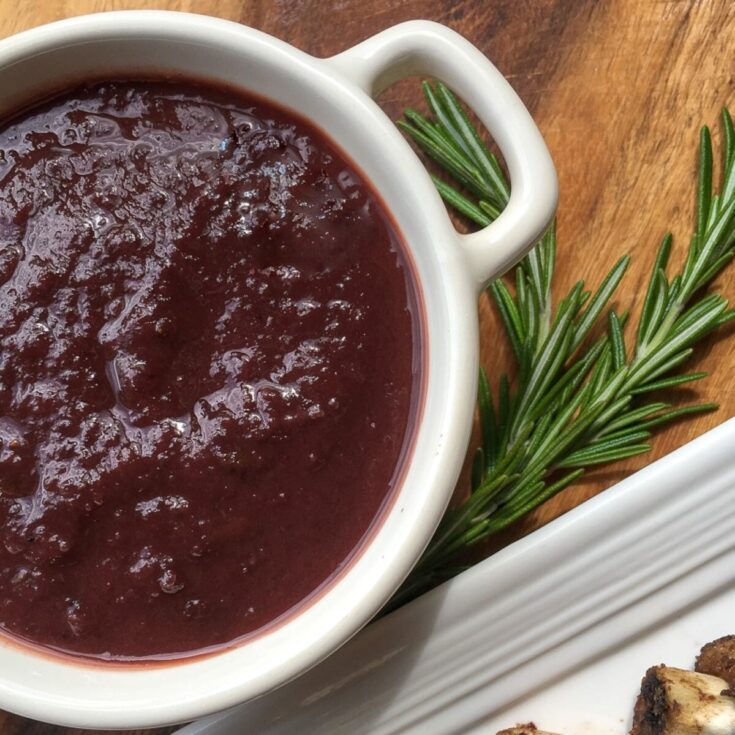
619,88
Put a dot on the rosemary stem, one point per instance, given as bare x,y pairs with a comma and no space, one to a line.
574,403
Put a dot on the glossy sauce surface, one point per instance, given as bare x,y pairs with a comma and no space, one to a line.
207,367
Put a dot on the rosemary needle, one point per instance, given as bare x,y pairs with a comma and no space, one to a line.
575,403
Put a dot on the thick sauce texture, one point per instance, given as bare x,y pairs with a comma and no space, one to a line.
206,367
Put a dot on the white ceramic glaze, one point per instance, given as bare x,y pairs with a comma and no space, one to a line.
336,94
643,573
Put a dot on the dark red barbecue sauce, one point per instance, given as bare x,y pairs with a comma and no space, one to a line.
206,366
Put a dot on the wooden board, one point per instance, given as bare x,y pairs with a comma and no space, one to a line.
619,88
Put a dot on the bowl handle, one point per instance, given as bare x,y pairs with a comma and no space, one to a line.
425,48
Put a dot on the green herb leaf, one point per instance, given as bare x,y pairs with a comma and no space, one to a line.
573,405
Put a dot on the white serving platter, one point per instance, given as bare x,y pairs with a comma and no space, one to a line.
558,628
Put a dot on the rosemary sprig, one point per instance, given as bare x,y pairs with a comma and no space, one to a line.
577,402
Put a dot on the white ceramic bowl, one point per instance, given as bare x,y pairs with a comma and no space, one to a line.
335,94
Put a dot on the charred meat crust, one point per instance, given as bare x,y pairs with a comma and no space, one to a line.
718,659
651,709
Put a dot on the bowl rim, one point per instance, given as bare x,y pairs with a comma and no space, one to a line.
459,301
